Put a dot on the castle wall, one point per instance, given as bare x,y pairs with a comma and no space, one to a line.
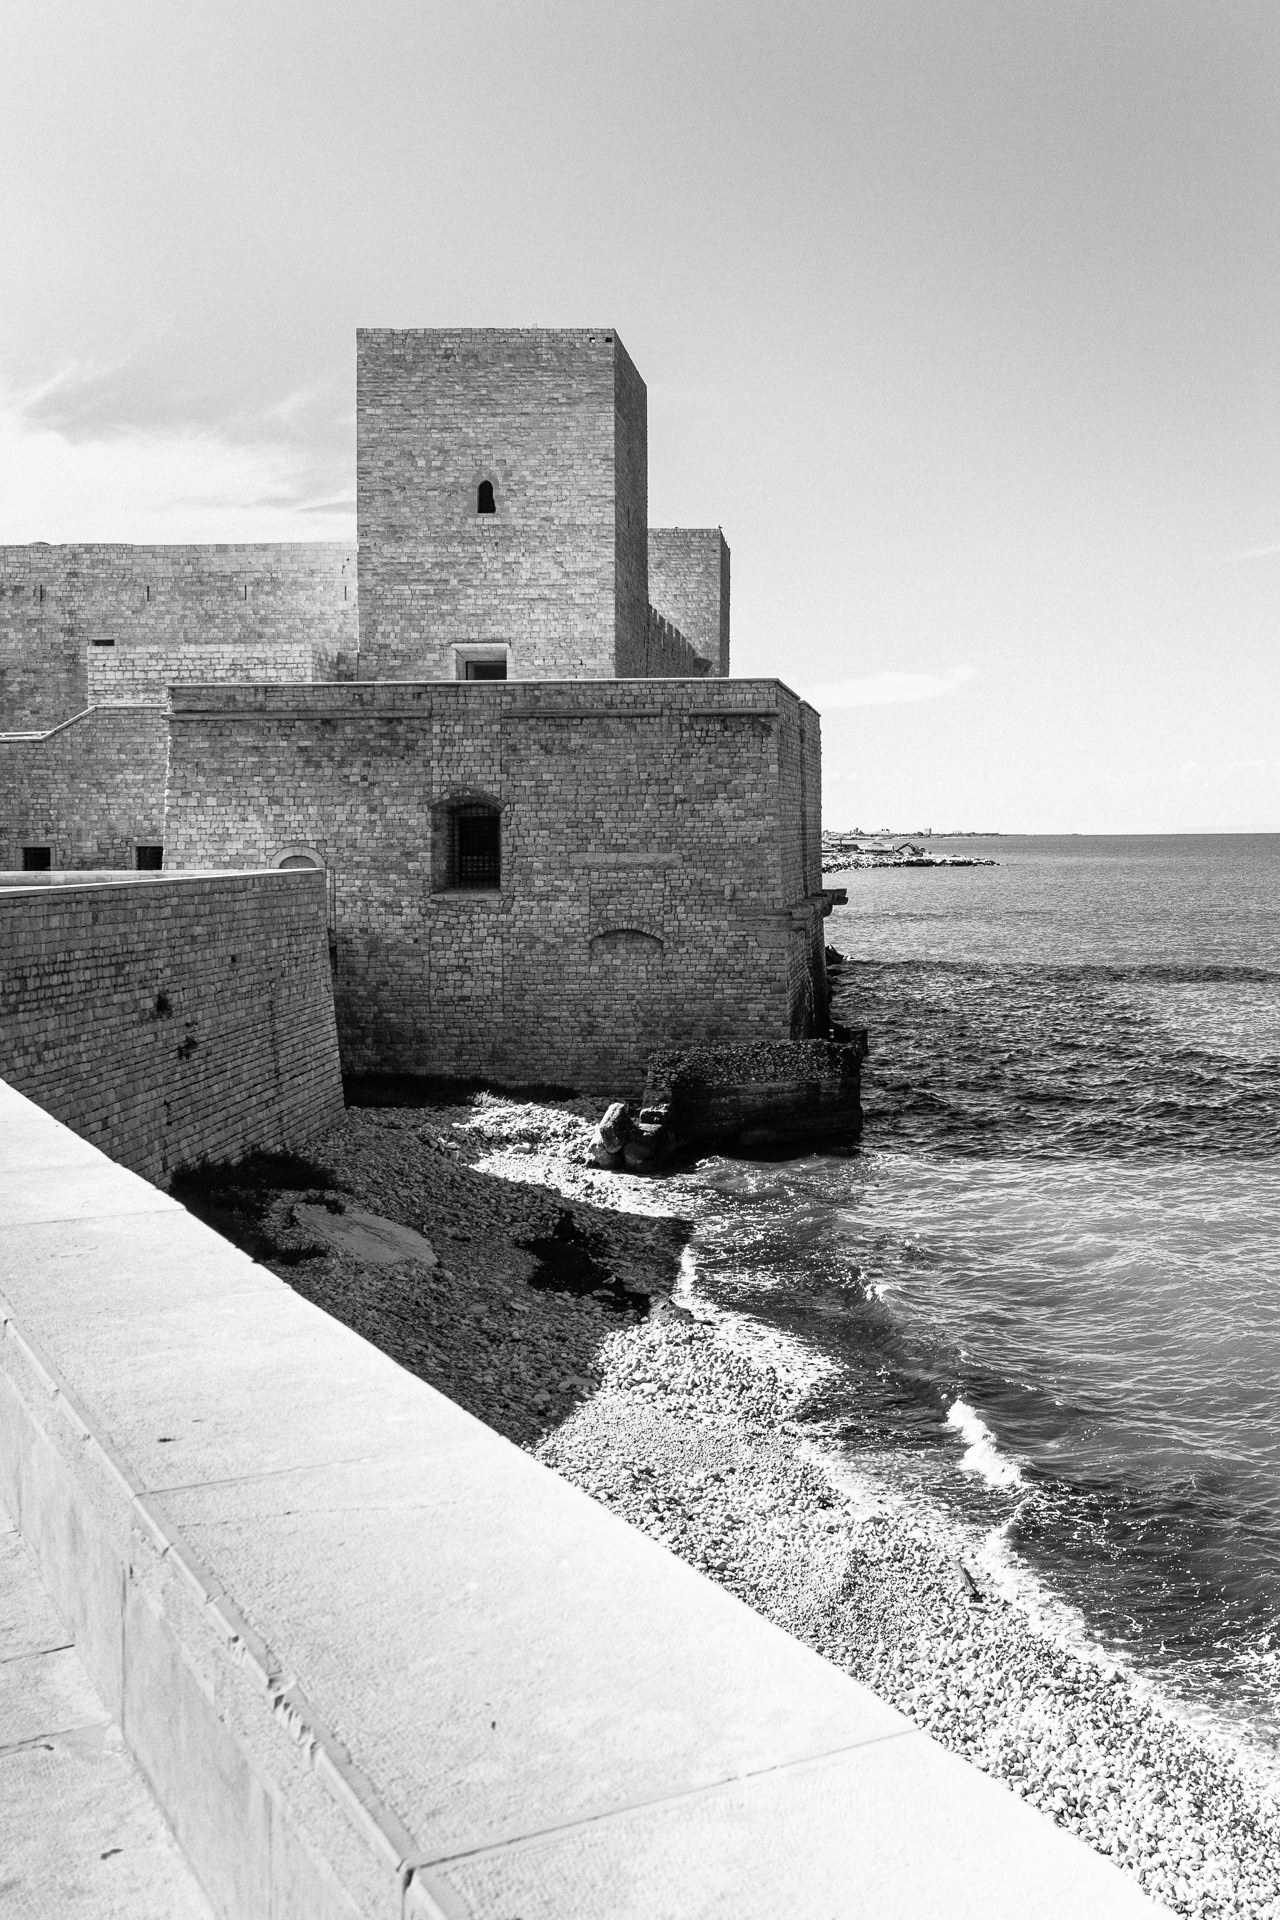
631,508
173,1019
91,790
811,769
689,583
556,421
665,655
87,623
642,898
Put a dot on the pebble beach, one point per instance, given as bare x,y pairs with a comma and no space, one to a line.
563,1310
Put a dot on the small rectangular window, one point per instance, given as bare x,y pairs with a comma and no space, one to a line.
477,847
148,858
103,640
37,859
481,660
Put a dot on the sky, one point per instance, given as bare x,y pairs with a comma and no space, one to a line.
962,320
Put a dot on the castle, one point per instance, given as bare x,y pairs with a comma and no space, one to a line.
556,833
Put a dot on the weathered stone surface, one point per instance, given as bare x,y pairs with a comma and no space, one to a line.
610,1137
366,1236
91,790
689,583
649,1142
107,623
171,1018
763,1098
556,420
659,885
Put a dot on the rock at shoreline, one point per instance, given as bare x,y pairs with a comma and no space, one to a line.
610,1137
775,1096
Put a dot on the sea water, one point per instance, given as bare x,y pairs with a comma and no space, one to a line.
1050,1277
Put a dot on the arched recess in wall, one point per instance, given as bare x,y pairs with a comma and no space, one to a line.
298,857
627,988
467,852
634,950
485,502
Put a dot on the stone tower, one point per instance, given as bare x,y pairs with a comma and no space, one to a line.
502,499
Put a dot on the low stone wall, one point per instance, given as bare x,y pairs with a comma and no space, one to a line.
761,1098
175,1019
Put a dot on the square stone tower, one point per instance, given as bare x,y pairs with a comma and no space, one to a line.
502,501
689,583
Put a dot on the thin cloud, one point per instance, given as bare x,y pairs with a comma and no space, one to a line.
159,482
886,689
1251,553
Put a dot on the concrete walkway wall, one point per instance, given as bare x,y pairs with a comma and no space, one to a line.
374,1661
170,1018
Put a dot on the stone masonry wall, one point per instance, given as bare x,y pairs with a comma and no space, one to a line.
142,675
689,583
665,655
811,770
800,781
91,790
174,1019
236,612
642,898
555,421
631,507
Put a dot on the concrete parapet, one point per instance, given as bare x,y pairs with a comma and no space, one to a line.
374,1661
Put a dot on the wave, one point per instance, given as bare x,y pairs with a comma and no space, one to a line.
982,1453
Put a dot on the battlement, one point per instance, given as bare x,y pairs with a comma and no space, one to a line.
689,580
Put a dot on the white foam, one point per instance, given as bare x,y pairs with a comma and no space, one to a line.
982,1455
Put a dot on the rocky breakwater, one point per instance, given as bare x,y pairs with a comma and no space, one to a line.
779,1096
843,853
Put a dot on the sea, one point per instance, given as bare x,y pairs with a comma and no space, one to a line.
1046,1287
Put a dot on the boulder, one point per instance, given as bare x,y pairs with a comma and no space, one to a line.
610,1137
649,1141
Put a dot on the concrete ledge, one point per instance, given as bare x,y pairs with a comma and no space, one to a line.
80,1836
373,1660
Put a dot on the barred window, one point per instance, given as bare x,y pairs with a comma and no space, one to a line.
475,846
